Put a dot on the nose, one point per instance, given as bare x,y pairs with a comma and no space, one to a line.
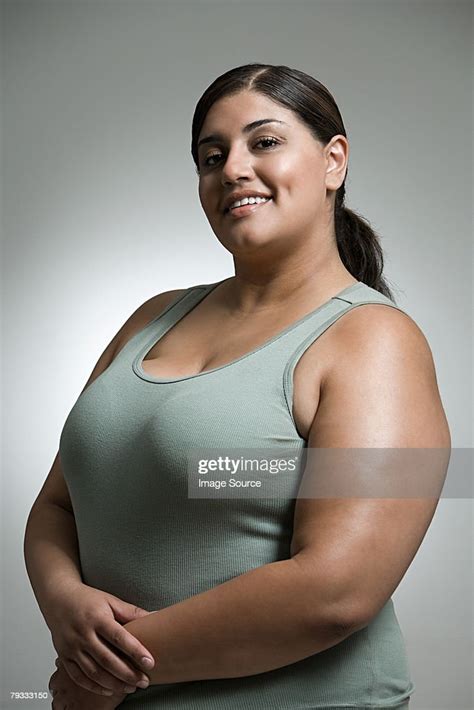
237,165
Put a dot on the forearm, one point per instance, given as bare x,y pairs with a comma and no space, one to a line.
51,552
259,621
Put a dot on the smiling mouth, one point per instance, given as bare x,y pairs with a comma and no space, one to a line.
245,209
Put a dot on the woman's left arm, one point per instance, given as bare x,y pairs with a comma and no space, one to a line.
349,553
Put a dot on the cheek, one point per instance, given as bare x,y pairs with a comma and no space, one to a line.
205,195
299,180
200,192
287,174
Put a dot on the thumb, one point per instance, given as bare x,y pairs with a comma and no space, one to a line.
124,612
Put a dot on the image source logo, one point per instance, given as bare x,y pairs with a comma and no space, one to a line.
329,473
214,473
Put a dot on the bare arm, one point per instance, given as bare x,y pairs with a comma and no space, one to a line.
53,565
261,620
51,552
50,543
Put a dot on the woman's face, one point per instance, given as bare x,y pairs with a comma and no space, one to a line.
281,159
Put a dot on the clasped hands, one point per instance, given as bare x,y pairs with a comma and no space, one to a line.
97,657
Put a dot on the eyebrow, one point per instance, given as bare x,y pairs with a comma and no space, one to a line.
246,129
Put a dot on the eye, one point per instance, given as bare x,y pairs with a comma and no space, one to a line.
265,139
209,157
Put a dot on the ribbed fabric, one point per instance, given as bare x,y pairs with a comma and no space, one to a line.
123,451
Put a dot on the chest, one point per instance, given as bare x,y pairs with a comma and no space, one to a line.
194,346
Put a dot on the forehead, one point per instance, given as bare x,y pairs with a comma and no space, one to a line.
232,113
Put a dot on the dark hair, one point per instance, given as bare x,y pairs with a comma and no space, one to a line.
358,244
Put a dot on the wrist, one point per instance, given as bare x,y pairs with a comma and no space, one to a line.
56,590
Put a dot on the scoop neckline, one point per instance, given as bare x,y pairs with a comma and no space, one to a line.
137,361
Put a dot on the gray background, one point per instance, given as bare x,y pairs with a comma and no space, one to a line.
100,212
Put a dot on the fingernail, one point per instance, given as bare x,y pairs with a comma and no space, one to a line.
148,662
143,684
130,689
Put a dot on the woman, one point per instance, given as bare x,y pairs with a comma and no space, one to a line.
276,601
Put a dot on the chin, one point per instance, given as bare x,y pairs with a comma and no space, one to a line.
248,242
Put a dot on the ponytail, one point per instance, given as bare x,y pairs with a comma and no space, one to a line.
359,246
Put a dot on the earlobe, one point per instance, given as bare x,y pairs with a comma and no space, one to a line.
334,178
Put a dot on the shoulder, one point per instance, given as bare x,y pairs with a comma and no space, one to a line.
156,304
380,386
380,334
144,314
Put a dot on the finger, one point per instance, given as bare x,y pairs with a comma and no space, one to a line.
111,660
80,678
96,672
129,645
126,642
123,611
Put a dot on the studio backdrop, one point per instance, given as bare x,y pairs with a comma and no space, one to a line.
101,212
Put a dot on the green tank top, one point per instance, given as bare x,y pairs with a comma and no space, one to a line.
123,451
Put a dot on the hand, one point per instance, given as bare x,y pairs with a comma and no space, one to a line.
96,651
69,696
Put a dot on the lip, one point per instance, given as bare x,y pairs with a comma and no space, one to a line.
246,209
240,195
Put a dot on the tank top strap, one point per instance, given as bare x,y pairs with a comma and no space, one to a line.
357,295
166,319
182,304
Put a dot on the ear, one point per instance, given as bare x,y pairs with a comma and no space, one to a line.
337,158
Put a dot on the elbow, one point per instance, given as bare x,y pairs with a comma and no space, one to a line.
330,625
348,607
347,619
344,617
331,608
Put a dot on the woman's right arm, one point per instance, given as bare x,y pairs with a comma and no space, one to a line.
74,611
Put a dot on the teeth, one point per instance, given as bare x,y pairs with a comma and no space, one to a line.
249,201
